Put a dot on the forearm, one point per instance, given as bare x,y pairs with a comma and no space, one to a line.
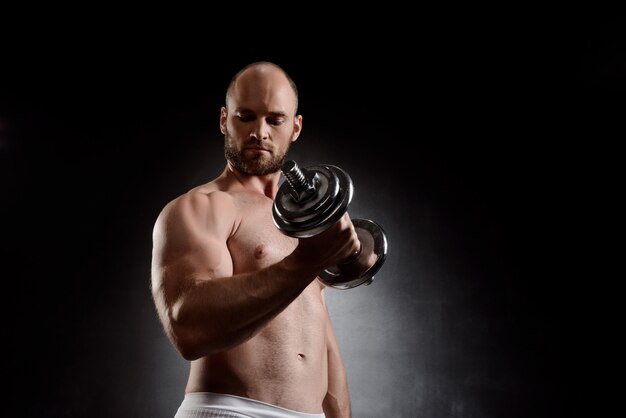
337,408
219,313
337,400
336,403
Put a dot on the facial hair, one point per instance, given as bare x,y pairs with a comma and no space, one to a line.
257,166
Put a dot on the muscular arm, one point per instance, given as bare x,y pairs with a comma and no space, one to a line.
337,400
204,307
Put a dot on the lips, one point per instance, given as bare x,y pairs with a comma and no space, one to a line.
257,148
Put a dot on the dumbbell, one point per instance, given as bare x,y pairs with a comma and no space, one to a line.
312,199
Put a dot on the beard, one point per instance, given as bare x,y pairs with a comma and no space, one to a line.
259,165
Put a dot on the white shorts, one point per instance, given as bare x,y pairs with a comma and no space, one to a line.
217,405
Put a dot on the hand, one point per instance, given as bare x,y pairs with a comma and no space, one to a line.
335,245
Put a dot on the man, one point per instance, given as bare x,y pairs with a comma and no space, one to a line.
236,297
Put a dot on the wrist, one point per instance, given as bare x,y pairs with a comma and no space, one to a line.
301,267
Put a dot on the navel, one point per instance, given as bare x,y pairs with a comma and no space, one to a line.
259,252
301,356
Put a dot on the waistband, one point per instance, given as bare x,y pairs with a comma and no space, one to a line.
208,401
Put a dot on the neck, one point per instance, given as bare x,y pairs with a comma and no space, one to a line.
266,185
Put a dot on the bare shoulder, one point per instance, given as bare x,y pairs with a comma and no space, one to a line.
203,208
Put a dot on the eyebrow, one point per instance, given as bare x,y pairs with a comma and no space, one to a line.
247,110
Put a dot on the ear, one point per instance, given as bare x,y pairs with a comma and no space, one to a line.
297,127
223,117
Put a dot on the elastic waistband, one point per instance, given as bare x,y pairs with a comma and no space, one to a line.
245,406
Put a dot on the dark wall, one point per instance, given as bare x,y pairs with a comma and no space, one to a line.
463,144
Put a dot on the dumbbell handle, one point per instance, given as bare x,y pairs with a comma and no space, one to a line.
301,186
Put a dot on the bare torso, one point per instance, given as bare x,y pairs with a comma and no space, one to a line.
286,363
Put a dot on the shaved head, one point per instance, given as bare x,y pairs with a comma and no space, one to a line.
258,72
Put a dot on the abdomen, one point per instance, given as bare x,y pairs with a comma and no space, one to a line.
285,364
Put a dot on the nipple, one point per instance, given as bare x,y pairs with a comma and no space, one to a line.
259,252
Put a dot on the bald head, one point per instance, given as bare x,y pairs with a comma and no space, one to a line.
262,77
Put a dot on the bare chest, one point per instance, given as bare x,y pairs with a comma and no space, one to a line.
257,243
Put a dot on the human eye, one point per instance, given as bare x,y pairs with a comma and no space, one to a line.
245,117
276,120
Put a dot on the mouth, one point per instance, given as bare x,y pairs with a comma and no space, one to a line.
256,148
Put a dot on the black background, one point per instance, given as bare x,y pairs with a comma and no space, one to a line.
483,144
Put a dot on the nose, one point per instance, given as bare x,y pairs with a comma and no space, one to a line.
260,130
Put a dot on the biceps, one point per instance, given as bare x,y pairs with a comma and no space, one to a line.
204,261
